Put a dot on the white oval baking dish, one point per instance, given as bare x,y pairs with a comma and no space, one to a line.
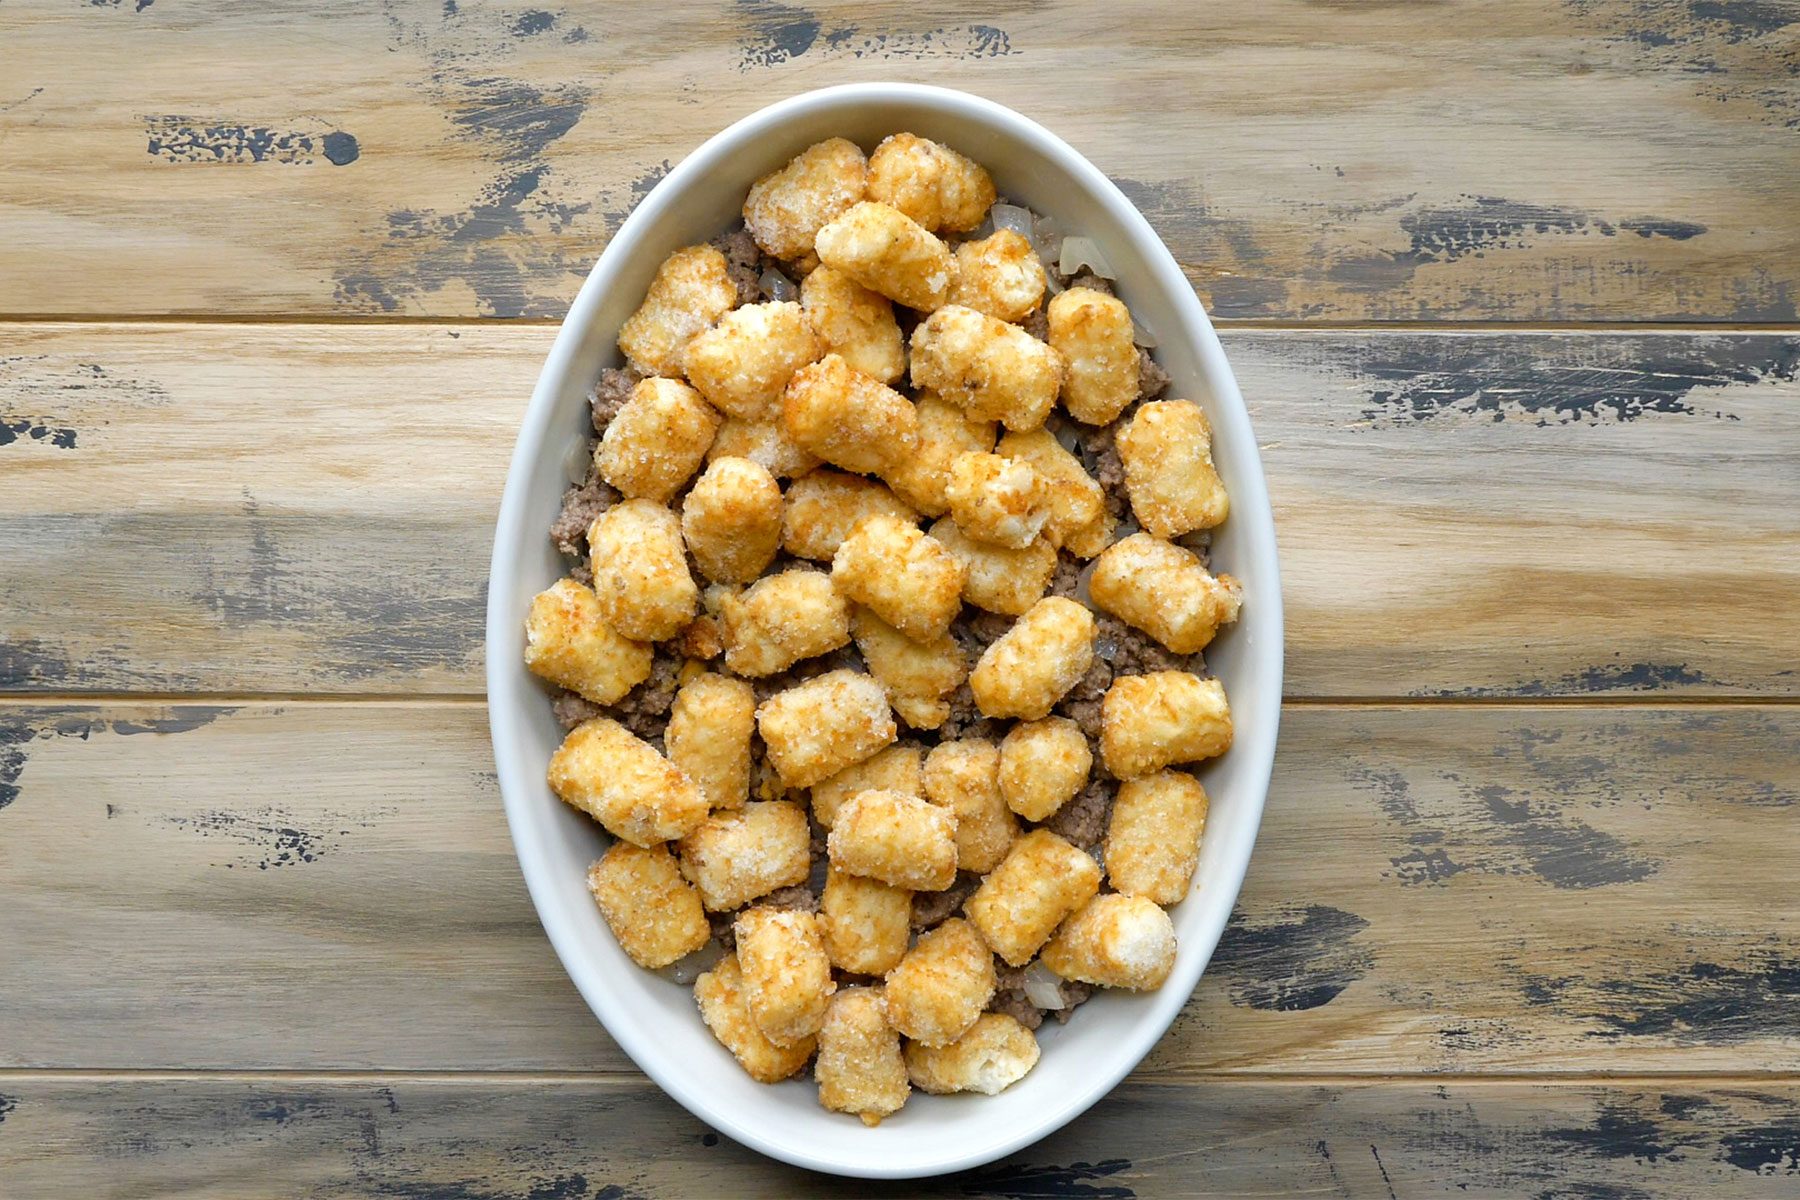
655,1020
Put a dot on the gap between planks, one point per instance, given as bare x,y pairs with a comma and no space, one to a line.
1222,324
12,1075
474,699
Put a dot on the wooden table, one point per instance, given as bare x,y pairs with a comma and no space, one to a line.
1511,289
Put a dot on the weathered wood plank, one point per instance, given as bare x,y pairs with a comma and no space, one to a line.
1442,889
1536,161
533,1139
308,508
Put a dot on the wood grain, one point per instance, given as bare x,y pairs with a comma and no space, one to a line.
535,1139
302,509
1537,161
1550,890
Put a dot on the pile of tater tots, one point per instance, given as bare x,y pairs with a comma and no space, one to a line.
881,643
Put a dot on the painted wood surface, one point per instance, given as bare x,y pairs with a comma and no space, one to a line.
1521,919
1492,161
307,509
1441,889
515,1139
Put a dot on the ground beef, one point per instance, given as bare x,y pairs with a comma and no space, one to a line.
571,709
1012,1002
1074,994
1131,651
724,929
609,395
965,719
581,504
1082,703
1094,446
645,709
743,263
1068,574
798,897
1152,379
582,573
933,908
976,629
1083,820
1010,998
1037,324
1093,282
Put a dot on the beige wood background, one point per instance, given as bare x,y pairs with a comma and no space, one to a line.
1511,289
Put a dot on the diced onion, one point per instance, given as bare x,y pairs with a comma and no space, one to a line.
1079,252
1052,284
578,462
1043,987
1141,335
1011,216
777,286
1082,595
686,970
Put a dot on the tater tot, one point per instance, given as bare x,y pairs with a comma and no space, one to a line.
898,839
708,737
568,642
620,780
945,431
907,577
738,854
640,571
742,364
1042,765
781,619
993,1055
787,975
1000,275
1019,905
898,768
888,252
1093,332
726,1010
1004,581
1078,518
731,520
941,986
1148,722
848,419
992,370
1115,941
929,182
691,290
860,1068
657,441
785,209
854,323
1153,838
817,728
1166,449
1034,664
867,923
765,443
917,675
964,777
653,912
823,508
1003,501
1164,590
